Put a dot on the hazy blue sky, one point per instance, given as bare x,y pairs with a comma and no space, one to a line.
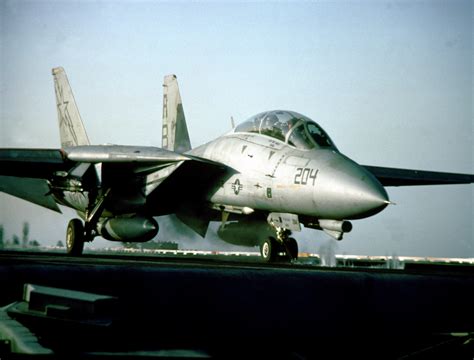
391,81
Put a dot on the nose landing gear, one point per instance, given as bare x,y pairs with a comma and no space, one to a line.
283,247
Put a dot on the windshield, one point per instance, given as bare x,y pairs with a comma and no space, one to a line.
288,126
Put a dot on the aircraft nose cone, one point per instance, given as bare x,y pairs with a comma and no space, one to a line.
349,191
368,195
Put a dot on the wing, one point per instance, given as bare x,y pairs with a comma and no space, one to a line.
33,163
164,178
407,177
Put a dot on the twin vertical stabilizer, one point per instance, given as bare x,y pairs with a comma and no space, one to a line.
71,128
175,135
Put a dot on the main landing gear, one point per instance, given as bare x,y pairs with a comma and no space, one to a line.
75,237
283,247
77,233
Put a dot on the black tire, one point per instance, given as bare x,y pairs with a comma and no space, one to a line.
75,237
269,249
292,248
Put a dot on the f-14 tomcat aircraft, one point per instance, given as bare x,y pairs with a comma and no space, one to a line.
262,180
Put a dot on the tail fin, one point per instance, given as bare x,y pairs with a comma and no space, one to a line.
175,135
71,128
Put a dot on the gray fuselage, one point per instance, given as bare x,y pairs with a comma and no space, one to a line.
274,176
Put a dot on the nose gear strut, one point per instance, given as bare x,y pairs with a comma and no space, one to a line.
272,247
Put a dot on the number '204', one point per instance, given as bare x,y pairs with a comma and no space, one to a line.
304,176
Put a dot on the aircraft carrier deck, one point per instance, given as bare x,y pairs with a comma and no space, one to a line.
232,306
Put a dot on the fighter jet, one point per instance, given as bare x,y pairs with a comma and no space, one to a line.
263,180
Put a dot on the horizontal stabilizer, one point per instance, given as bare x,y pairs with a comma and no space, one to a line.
407,177
195,221
33,190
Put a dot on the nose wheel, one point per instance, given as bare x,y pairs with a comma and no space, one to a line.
269,249
272,248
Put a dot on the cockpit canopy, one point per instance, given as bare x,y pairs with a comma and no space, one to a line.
288,126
